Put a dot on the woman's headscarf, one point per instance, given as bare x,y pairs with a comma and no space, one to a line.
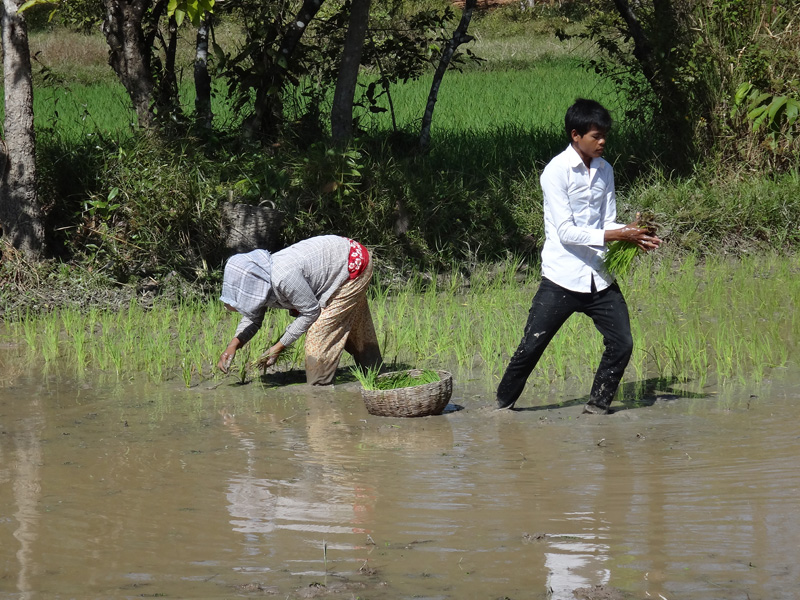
247,281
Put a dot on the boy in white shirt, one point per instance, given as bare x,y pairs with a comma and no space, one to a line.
580,214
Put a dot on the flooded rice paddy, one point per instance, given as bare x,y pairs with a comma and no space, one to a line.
132,490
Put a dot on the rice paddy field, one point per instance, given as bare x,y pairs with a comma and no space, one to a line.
526,83
723,321
131,467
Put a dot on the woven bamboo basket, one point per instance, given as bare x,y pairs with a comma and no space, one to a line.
248,227
416,401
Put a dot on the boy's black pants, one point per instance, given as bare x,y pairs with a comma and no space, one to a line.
552,306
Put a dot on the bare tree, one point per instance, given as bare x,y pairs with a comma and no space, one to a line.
202,79
268,109
459,37
168,83
342,108
20,214
129,53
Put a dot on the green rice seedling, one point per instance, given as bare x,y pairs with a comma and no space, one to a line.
244,364
51,334
371,379
620,257
215,337
620,254
115,358
187,370
686,324
75,330
29,332
366,376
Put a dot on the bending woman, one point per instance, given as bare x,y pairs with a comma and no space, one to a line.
323,282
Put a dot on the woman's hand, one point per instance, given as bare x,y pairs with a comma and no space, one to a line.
226,358
270,357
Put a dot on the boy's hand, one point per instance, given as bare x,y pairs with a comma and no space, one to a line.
644,238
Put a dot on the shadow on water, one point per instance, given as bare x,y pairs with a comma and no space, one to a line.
344,375
632,394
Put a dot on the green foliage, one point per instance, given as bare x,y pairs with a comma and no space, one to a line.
682,64
774,113
773,118
194,9
153,210
474,196
708,215
82,15
246,67
642,50
743,55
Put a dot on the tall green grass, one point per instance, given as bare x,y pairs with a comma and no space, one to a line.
477,100
469,102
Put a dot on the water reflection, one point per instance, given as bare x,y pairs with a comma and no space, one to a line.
576,561
20,463
312,492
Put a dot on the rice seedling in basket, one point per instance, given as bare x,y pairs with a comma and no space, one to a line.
370,379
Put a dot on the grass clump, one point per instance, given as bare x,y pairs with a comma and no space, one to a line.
371,379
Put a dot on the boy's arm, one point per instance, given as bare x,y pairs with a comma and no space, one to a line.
633,234
559,212
610,208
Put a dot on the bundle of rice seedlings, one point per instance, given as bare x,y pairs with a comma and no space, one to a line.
620,255
370,379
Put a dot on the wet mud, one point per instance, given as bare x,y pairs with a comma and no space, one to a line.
129,489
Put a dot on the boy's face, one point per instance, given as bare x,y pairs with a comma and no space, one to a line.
590,145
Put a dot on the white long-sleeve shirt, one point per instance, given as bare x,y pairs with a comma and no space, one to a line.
579,205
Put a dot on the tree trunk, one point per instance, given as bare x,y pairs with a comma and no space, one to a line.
129,54
268,109
459,37
20,214
342,108
202,80
168,84
652,54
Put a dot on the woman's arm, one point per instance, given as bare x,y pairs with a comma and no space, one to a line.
244,333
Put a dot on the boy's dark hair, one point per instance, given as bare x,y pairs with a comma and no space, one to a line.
585,114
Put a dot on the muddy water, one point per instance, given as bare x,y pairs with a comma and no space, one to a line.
130,490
